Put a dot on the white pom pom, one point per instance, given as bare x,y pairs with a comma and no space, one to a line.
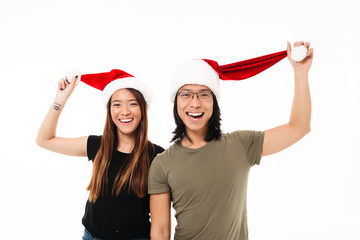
73,73
298,53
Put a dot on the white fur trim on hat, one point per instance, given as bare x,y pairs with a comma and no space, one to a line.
128,82
195,71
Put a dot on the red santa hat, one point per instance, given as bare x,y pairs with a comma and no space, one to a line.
110,82
208,72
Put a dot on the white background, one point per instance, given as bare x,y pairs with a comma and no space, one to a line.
309,191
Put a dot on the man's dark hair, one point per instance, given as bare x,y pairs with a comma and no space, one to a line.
214,130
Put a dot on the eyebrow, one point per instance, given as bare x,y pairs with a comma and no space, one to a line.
131,100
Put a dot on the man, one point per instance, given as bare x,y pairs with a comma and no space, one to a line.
205,172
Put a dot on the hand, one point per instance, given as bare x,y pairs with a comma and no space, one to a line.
65,89
304,65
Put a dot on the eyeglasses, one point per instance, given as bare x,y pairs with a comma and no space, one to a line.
187,96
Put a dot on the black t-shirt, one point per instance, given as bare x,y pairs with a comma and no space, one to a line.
117,217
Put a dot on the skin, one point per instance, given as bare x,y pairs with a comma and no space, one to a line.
126,114
123,106
196,128
275,139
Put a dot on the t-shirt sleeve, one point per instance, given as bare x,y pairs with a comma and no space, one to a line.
252,142
157,182
93,146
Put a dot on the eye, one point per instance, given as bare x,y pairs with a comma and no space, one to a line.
133,104
185,94
205,95
116,105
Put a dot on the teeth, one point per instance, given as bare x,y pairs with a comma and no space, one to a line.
195,114
125,120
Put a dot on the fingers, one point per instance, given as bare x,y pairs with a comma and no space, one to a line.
296,44
65,89
59,85
62,84
305,44
74,80
288,49
304,55
310,53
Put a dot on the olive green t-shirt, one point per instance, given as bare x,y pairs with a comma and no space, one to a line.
208,185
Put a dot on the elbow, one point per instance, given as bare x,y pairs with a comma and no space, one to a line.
301,130
163,236
40,142
160,233
304,131
307,129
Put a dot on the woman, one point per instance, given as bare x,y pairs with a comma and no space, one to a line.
118,206
205,172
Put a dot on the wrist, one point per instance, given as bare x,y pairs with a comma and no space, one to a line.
60,100
301,73
57,105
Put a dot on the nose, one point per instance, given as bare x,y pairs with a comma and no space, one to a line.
125,110
195,102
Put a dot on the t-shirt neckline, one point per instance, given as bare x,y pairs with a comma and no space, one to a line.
183,148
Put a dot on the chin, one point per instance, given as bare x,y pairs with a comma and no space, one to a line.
196,128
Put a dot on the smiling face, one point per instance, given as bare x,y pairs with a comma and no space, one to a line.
193,112
125,112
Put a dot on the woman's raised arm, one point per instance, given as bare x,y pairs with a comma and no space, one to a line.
47,138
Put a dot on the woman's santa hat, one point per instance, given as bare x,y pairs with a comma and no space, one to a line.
110,82
208,72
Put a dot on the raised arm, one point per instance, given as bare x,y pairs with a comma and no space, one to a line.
283,136
47,138
160,216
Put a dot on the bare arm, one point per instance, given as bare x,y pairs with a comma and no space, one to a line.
160,216
47,138
283,136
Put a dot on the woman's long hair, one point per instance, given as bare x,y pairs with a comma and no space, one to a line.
134,172
213,131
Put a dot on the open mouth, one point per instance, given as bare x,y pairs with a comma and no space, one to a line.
195,115
128,120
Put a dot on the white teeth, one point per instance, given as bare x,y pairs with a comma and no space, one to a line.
195,114
125,120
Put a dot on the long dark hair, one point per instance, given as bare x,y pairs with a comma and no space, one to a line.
213,131
134,172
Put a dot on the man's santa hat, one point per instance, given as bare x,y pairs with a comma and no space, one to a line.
110,82
208,72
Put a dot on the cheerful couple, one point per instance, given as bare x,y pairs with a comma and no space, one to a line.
204,173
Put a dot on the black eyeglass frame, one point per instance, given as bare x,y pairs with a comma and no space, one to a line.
195,93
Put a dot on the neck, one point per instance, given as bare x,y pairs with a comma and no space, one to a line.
197,138
126,143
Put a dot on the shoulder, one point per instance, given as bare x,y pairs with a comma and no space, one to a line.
158,149
154,150
162,163
94,141
242,134
167,153
244,137
95,137
247,138
93,146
